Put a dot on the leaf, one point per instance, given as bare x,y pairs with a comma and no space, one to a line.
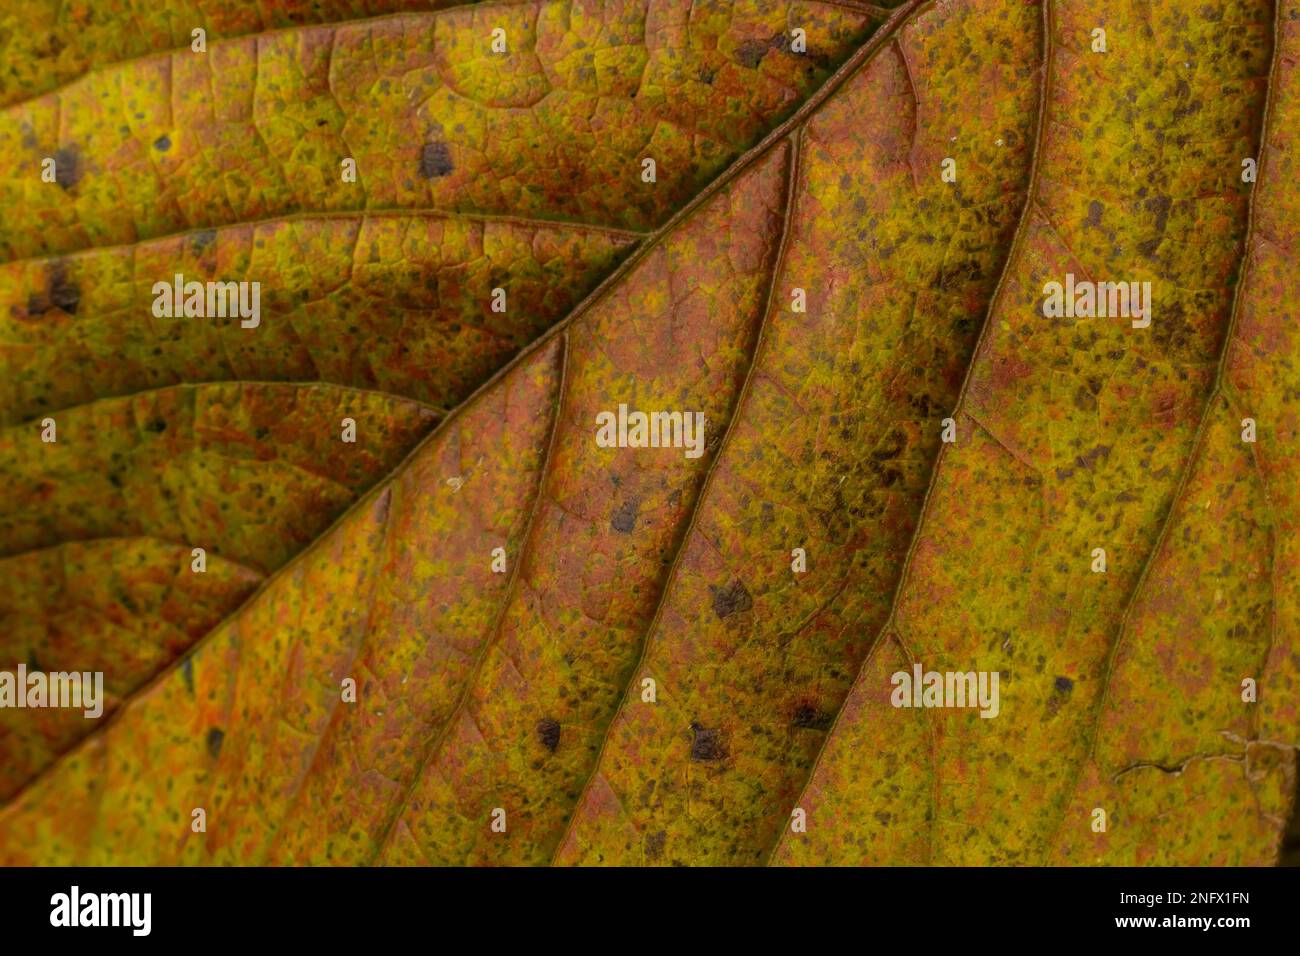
1122,691
245,468
48,43
124,607
598,545
292,645
554,128
676,334
509,596
248,472
209,433
832,446
392,302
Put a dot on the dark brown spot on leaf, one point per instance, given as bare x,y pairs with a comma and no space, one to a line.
707,743
60,292
1095,210
750,53
435,160
67,166
730,599
624,518
548,730
809,717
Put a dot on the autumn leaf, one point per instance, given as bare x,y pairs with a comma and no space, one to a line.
48,44
554,127
1123,690
383,301
526,646
125,607
394,303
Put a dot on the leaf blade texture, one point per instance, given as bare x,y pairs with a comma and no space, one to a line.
755,658
1126,418
518,645
387,312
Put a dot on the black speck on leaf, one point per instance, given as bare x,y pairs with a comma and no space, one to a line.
64,293
624,518
707,743
808,717
435,160
60,292
548,730
1095,209
67,166
730,599
750,53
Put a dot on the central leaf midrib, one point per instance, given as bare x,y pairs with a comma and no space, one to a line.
651,241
